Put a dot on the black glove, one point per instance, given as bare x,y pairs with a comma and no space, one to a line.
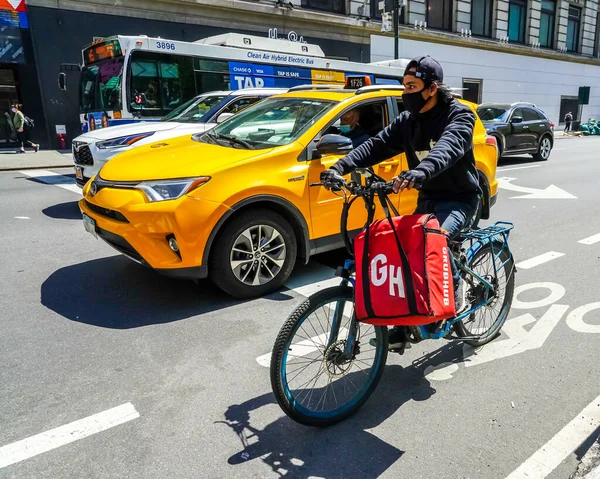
331,179
417,177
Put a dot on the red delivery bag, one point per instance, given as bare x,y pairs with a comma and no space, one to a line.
403,272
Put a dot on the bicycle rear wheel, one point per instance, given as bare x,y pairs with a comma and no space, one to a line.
312,382
484,324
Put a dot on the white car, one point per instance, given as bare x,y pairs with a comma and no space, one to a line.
92,150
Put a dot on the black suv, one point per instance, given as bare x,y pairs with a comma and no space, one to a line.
519,129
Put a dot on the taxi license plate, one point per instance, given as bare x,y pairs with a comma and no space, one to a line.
79,172
90,225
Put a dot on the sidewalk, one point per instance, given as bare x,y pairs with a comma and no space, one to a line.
10,160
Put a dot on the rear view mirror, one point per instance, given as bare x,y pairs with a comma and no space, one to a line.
516,119
224,116
62,81
334,144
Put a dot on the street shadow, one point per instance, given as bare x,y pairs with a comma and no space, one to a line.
518,160
64,211
346,450
117,293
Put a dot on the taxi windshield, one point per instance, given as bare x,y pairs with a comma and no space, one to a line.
496,113
267,124
194,110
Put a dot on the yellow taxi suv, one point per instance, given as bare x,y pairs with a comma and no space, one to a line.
234,204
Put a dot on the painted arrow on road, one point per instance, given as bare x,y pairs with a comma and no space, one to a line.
551,193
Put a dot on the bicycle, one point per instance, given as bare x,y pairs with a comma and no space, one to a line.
341,349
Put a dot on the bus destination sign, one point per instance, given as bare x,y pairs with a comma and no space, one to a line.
102,51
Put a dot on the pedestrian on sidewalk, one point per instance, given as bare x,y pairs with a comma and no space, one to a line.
23,125
568,120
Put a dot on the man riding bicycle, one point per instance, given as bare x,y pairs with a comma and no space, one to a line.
436,134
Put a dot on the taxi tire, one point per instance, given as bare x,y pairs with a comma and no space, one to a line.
219,267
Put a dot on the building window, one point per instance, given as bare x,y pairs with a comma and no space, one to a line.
337,6
516,20
547,21
472,90
481,18
573,29
439,14
375,12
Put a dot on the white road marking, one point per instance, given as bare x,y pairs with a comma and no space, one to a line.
21,217
575,319
590,240
51,178
538,260
552,192
557,291
60,436
517,168
551,454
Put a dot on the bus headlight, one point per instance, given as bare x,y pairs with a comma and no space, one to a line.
163,190
123,141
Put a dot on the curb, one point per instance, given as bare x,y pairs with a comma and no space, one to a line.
42,167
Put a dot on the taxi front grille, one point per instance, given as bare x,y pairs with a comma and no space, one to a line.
82,153
112,214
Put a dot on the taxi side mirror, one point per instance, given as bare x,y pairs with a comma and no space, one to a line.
334,144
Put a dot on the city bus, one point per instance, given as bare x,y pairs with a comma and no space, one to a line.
126,79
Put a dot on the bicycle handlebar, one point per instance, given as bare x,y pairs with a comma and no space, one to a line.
359,190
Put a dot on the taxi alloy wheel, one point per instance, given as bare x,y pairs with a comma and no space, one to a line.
258,254
253,255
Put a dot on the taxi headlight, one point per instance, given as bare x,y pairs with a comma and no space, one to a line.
162,190
123,141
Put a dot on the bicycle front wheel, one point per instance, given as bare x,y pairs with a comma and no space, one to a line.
494,263
313,381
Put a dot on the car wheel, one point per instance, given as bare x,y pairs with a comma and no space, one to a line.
498,149
544,150
253,255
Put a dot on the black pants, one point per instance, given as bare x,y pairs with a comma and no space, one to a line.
23,138
567,126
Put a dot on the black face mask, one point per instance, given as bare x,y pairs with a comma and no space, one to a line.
414,102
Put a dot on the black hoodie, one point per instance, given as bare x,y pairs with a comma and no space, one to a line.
438,143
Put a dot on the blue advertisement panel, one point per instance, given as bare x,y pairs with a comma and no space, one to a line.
250,75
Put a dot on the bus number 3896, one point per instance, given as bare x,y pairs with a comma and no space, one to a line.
165,45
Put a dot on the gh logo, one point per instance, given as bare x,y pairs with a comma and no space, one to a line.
381,273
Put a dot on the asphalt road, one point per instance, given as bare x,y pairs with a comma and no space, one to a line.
85,330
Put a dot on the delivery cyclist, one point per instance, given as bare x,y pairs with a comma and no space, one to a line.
436,133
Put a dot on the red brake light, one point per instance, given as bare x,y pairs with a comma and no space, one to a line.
491,140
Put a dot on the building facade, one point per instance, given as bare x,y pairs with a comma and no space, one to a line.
540,51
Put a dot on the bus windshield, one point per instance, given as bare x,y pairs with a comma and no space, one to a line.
194,110
100,86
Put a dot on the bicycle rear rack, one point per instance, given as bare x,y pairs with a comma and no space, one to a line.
500,228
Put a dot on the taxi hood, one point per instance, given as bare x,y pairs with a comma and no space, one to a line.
179,157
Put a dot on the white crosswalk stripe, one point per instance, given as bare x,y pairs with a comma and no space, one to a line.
51,178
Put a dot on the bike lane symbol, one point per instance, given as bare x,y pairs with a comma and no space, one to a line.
520,339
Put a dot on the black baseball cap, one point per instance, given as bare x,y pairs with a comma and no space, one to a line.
427,69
